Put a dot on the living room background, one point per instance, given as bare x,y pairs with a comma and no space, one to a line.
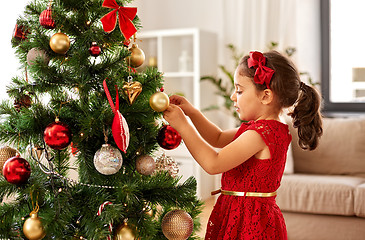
245,23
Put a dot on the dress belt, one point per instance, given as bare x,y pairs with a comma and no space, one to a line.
243,194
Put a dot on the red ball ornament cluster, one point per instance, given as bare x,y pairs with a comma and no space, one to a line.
57,135
16,170
168,138
46,20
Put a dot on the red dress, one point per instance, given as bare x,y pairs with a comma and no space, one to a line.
235,217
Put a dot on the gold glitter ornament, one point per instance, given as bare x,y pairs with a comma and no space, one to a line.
177,225
6,152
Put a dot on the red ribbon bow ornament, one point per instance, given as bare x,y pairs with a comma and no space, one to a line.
126,15
263,74
120,129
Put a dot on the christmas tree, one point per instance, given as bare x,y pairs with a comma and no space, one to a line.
81,96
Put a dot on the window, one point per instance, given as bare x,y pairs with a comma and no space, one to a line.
343,50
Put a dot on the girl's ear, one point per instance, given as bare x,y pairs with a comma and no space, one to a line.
267,96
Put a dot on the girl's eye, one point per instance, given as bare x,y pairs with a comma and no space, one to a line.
238,91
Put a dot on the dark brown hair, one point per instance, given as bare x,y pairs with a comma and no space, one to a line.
290,91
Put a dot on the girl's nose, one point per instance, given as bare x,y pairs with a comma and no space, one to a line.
233,96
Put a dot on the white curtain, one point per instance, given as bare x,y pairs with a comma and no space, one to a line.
253,24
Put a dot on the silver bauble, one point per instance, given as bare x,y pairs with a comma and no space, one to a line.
108,160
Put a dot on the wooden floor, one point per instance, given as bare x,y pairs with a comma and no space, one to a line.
204,216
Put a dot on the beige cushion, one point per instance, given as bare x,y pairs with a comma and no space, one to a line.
318,194
341,149
360,201
302,226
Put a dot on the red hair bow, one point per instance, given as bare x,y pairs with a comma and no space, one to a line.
263,74
126,15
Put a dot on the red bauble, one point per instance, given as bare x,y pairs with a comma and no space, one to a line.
168,138
57,135
46,20
94,50
16,170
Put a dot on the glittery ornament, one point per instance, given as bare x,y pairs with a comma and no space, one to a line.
36,53
167,163
108,160
145,165
177,225
6,153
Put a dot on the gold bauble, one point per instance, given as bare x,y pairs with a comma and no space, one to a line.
33,228
124,232
60,43
137,56
6,153
150,212
177,225
159,101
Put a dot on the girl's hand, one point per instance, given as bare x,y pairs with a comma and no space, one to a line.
175,116
183,103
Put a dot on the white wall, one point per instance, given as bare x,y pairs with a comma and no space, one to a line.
165,14
208,15
9,65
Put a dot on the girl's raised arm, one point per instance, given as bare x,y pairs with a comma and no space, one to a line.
208,130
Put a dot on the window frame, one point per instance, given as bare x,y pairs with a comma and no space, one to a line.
328,106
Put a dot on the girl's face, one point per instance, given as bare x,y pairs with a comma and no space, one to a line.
246,98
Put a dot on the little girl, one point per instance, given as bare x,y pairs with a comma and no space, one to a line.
252,157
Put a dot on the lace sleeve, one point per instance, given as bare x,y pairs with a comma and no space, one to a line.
275,135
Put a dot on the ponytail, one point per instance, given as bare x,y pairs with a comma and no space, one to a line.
290,91
307,118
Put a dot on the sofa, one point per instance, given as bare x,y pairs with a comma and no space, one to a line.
322,193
